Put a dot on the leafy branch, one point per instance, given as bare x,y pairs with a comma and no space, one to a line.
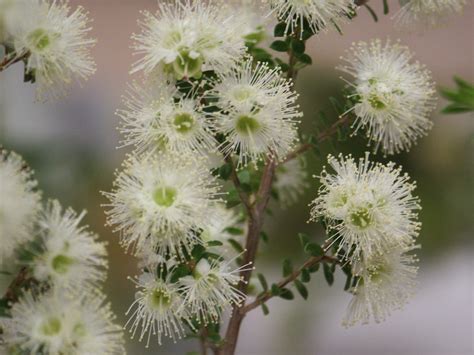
267,295
462,98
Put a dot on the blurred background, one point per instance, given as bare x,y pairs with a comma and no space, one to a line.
71,145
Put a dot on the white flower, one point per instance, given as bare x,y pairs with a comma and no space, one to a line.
290,181
157,309
368,207
160,201
6,6
19,203
71,257
158,117
56,323
395,95
258,112
429,13
254,23
55,41
187,37
319,14
216,227
385,283
211,289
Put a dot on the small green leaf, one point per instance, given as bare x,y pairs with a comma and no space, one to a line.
279,46
314,249
244,176
347,285
305,59
275,290
261,55
265,309
234,230
385,7
301,289
280,29
214,243
372,12
263,281
236,245
287,267
297,46
305,275
328,275
225,171
264,236
313,268
180,271
304,239
286,294
198,251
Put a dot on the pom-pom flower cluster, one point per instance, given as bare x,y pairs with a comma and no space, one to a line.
371,217
65,313
51,39
202,97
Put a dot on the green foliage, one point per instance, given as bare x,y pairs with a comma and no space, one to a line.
225,171
314,249
303,291
265,309
305,275
263,281
304,239
287,267
286,294
234,230
386,9
462,98
236,245
328,274
275,290
232,198
280,46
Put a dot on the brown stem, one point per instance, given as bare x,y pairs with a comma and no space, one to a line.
290,278
8,61
203,341
238,186
255,224
256,214
13,291
323,136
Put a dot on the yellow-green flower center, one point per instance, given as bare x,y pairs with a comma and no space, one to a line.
165,196
187,66
160,298
361,218
61,263
378,271
80,330
51,326
183,122
376,102
40,39
247,124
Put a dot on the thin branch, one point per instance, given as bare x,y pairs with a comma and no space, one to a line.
255,224
290,278
8,61
256,216
323,136
22,279
238,186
